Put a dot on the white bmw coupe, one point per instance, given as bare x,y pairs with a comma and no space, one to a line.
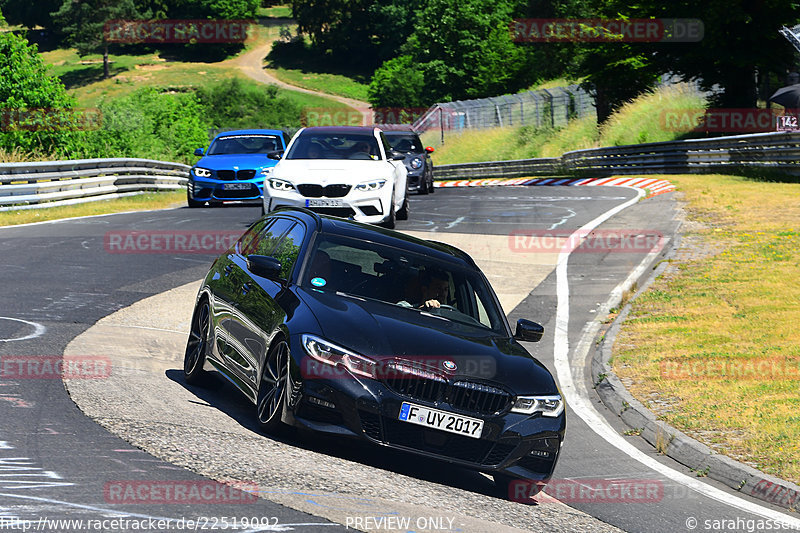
345,171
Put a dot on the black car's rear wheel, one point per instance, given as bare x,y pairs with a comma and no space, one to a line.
272,389
197,346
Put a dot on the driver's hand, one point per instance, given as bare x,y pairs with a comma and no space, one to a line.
433,304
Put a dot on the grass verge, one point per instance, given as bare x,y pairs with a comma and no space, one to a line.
323,82
140,202
638,121
712,346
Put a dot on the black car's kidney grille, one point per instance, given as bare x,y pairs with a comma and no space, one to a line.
478,397
227,175
246,174
312,190
418,383
415,382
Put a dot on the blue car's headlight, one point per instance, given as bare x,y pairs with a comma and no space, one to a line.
266,171
416,163
201,172
550,405
370,185
280,185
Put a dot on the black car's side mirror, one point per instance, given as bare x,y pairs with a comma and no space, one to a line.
264,266
199,152
397,156
528,331
276,154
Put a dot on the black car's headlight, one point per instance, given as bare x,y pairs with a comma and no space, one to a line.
370,185
416,163
330,354
550,405
280,185
201,172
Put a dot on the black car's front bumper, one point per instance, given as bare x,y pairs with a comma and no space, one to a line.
515,445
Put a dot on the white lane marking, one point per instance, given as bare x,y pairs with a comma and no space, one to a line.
59,220
578,397
455,222
38,329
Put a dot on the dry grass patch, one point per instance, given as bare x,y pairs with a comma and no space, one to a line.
140,202
718,331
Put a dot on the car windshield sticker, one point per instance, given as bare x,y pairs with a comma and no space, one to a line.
318,282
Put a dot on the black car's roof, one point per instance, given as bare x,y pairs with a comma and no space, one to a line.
367,232
399,132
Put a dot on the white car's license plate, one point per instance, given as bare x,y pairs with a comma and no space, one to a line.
323,202
236,186
433,418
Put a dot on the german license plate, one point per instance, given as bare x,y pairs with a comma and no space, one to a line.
236,186
434,418
324,202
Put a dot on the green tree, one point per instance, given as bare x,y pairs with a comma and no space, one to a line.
30,14
83,23
36,114
463,49
397,82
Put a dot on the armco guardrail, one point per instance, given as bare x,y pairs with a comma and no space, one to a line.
506,169
53,183
778,152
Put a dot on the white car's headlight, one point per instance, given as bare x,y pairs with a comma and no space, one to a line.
416,163
201,172
330,354
280,185
551,405
373,185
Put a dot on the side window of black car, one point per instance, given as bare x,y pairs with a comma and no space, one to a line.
288,249
264,243
247,241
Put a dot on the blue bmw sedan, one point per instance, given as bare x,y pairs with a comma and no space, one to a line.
234,167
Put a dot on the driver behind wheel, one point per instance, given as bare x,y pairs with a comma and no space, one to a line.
428,291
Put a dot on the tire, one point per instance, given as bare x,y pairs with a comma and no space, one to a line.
423,185
263,211
432,188
389,223
191,201
402,214
197,345
271,397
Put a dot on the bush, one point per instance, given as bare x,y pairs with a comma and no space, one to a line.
397,82
147,124
234,104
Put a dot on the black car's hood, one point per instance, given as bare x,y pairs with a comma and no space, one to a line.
384,331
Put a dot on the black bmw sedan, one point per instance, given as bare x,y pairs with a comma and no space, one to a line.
348,329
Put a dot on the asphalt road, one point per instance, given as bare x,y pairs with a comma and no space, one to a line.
59,279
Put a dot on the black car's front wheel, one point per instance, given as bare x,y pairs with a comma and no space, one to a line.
196,347
272,389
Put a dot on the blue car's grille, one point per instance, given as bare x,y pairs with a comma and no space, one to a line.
231,175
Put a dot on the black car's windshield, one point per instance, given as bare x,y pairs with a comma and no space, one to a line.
403,279
404,142
335,146
245,144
